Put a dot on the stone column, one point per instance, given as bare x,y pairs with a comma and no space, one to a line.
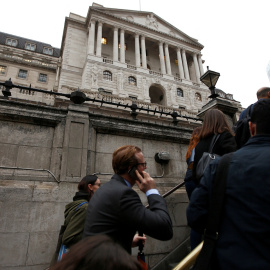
200,64
137,51
99,36
168,60
91,37
180,64
144,63
197,71
122,46
161,58
185,65
115,44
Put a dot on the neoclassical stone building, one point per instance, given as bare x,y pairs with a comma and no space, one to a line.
132,54
28,62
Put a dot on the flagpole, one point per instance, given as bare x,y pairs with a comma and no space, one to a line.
140,5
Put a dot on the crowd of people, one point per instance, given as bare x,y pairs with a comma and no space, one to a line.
100,230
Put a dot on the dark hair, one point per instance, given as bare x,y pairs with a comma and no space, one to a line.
124,157
261,116
263,92
97,252
83,184
214,122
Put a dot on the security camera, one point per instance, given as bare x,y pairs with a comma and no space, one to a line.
162,157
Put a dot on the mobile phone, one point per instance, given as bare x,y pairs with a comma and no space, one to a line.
132,173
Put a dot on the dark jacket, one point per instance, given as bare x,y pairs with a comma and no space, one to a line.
244,238
225,144
75,219
117,210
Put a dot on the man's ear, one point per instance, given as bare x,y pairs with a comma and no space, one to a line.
252,128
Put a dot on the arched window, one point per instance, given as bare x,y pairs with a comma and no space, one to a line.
132,80
107,75
180,92
198,97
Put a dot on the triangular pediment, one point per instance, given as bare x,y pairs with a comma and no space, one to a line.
149,20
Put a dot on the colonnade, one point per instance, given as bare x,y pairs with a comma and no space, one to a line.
140,57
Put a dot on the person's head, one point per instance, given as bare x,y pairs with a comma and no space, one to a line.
89,184
125,157
97,252
263,92
214,122
260,118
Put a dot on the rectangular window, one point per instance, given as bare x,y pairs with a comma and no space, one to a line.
48,50
3,70
11,42
104,41
30,46
22,74
42,77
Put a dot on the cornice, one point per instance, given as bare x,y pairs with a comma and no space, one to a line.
197,44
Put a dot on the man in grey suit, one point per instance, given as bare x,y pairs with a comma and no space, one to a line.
116,209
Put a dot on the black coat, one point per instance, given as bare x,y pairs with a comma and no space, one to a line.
225,144
116,210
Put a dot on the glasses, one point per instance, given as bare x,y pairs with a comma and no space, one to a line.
143,164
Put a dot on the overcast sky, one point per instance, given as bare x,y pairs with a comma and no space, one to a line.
235,33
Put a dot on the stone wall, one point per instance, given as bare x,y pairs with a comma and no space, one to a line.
45,151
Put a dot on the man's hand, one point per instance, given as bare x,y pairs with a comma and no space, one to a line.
136,240
146,182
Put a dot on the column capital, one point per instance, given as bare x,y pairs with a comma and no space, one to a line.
160,42
122,30
92,21
178,49
166,45
115,27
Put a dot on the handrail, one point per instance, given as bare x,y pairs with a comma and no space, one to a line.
31,169
170,191
190,259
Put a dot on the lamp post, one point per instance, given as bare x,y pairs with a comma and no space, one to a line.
210,78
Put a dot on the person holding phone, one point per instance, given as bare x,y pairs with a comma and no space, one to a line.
116,209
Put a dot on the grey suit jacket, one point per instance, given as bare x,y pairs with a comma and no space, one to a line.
116,210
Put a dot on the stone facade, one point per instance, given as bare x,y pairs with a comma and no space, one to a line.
48,144
45,151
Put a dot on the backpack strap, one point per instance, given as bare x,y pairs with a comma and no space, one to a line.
79,206
214,140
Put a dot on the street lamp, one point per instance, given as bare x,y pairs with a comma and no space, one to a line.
210,78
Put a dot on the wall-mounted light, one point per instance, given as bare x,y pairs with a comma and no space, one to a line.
162,157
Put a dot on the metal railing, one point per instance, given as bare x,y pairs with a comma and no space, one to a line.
79,97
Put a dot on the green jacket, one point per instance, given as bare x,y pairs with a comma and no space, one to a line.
74,221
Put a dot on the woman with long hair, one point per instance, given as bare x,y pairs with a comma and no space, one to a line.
214,123
75,213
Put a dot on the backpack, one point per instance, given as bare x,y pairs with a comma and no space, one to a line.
241,129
